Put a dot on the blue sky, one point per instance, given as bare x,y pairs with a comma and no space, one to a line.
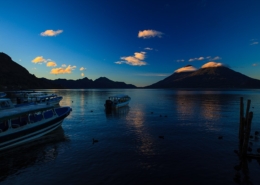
133,41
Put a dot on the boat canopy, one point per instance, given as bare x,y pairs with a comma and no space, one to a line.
17,111
118,96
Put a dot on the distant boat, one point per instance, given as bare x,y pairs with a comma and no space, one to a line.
117,101
51,99
2,94
38,97
22,124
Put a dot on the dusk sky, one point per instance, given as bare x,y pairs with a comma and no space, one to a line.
132,41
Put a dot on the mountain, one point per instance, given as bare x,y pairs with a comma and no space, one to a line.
14,76
86,83
211,77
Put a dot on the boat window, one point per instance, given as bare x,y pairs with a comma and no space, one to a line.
48,114
3,126
38,116
15,123
23,120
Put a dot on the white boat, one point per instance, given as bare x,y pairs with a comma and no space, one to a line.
117,101
51,99
40,98
22,124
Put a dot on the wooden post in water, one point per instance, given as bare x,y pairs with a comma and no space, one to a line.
247,111
241,126
247,133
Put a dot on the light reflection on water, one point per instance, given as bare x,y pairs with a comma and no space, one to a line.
129,150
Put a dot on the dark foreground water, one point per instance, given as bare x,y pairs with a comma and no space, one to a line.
130,151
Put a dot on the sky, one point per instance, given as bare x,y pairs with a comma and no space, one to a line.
138,42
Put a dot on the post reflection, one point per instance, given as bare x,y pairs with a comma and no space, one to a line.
43,150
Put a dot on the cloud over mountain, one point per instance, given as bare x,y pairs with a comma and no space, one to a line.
187,68
213,64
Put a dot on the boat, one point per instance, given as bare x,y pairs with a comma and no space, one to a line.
22,124
51,99
117,101
39,98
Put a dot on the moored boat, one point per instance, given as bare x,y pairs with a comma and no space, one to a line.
117,101
51,99
38,97
22,124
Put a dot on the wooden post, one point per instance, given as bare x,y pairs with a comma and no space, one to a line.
247,134
247,111
241,126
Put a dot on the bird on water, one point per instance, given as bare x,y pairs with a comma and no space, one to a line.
94,140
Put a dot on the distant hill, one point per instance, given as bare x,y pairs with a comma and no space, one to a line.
14,76
211,77
86,83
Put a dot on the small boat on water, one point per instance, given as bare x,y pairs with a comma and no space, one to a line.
117,101
22,124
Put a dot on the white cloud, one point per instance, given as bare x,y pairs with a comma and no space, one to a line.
182,60
82,69
38,59
136,60
196,59
120,62
51,64
62,70
63,65
216,58
255,64
188,68
212,64
254,43
148,48
149,33
203,58
51,33
82,74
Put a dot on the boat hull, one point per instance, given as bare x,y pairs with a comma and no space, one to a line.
30,132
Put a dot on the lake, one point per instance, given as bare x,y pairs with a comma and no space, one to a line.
129,149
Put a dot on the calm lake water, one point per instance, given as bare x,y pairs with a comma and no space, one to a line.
130,151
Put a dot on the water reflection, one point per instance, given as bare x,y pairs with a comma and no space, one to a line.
40,151
144,140
120,112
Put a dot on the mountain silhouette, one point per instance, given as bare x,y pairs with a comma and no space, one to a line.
85,83
14,76
211,77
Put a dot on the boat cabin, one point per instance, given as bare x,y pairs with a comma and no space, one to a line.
119,98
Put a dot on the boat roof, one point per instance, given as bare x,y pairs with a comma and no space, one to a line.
119,96
47,96
18,111
36,94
